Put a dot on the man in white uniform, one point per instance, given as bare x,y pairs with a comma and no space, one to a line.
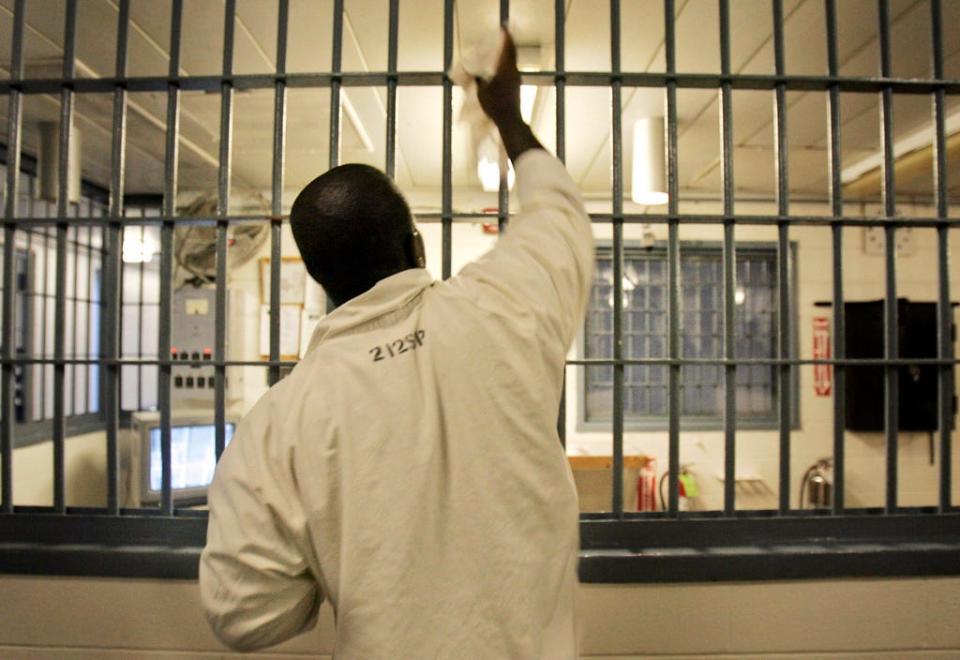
408,470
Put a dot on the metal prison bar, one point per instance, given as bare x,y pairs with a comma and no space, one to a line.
726,82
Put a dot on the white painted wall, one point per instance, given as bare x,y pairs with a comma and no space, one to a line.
758,451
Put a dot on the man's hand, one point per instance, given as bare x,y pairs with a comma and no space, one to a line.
500,99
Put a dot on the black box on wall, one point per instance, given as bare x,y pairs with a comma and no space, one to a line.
917,338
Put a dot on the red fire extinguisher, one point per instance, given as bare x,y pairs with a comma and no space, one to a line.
647,486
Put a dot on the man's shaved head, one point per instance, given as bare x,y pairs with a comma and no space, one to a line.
353,229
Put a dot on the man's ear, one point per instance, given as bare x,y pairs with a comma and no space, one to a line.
416,253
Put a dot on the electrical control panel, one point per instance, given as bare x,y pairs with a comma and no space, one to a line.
192,342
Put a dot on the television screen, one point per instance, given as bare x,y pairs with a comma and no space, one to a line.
192,456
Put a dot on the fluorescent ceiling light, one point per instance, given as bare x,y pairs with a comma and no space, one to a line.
917,139
648,188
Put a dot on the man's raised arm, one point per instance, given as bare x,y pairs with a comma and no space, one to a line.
500,99
542,267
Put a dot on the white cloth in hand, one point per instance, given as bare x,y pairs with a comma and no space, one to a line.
477,60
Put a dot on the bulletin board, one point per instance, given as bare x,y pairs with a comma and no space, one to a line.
290,331
293,280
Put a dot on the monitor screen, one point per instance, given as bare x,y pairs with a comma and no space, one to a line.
192,456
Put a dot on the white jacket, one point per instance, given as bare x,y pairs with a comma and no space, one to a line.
409,470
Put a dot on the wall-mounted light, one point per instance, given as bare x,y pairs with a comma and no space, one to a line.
649,187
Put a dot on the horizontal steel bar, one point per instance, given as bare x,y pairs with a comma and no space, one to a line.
914,518
758,545
709,550
588,362
80,526
852,362
601,218
134,362
862,84
803,560
765,527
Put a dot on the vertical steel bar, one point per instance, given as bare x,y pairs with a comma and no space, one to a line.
88,303
890,318
560,76
141,268
30,371
560,89
673,259
121,308
14,135
616,137
276,196
113,264
944,309
60,304
75,369
503,193
44,299
223,211
446,247
729,267
393,30
834,166
171,171
335,83
784,390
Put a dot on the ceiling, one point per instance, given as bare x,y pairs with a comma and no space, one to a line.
419,116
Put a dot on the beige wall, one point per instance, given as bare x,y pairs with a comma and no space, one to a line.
106,618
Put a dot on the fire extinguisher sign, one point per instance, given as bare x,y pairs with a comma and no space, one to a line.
822,373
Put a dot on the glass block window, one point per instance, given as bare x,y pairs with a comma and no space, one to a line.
35,281
701,326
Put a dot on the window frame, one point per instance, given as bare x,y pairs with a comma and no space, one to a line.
696,423
38,431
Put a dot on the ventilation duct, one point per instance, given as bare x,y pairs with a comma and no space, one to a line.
49,162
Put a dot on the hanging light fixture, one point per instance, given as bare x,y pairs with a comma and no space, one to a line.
649,187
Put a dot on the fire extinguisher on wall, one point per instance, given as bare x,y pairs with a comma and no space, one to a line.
647,486
816,487
687,488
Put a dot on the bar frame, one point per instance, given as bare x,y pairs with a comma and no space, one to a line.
11,197
890,312
729,269
785,362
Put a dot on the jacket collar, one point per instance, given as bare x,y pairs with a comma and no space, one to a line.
388,294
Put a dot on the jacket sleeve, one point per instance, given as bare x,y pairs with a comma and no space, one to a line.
256,587
542,267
